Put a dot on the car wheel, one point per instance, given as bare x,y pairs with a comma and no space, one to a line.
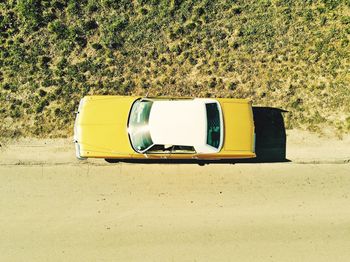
111,160
201,163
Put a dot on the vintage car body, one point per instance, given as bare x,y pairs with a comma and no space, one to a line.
130,127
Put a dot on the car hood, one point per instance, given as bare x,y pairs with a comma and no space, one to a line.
101,125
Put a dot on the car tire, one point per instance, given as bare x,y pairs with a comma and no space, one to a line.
201,163
111,160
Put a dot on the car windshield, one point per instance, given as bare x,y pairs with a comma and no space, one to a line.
138,125
213,124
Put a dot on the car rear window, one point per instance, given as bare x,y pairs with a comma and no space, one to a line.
213,124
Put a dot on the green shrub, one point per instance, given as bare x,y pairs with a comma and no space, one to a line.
90,25
57,112
237,10
331,4
345,20
73,7
347,121
15,113
41,106
96,46
42,92
59,29
31,12
213,82
232,86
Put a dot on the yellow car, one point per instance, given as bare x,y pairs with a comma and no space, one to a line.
130,127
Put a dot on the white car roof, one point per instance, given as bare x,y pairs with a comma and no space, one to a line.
180,122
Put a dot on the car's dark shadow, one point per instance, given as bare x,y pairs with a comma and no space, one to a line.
270,145
271,142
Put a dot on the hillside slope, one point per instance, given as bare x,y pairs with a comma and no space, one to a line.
288,54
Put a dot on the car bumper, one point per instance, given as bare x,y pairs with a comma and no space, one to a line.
77,151
77,133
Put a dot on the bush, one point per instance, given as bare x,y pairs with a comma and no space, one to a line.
10,87
232,86
90,25
96,46
236,10
348,122
42,93
41,106
31,12
57,112
59,29
15,113
345,20
213,82
192,61
44,61
81,41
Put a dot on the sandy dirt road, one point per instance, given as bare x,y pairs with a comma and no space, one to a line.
53,208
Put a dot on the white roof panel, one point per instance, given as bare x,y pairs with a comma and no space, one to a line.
178,122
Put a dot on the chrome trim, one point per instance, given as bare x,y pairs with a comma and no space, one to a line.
222,129
77,151
75,136
254,143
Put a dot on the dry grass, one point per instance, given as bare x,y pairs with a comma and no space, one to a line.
284,54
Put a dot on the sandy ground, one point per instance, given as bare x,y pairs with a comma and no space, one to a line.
55,208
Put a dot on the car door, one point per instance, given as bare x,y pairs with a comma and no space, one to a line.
211,156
